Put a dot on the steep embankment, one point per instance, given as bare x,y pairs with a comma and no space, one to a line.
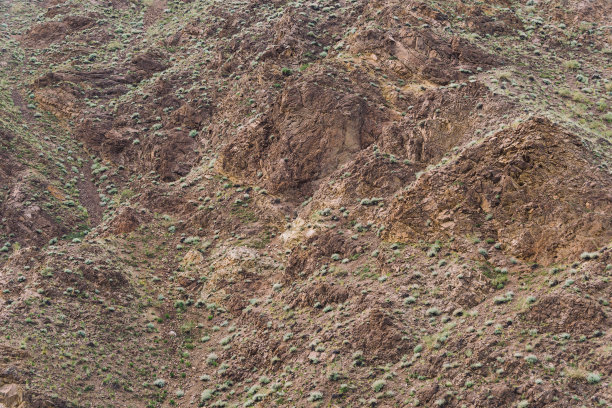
273,203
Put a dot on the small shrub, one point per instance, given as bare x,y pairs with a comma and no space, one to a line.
378,385
593,378
409,300
434,311
206,395
212,359
315,396
571,64
589,255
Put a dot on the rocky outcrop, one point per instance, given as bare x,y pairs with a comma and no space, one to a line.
11,396
526,187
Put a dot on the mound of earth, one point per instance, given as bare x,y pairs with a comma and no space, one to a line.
521,187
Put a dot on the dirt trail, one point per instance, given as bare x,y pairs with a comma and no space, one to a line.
23,108
154,11
88,196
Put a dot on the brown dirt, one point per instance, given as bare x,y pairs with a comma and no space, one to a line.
269,203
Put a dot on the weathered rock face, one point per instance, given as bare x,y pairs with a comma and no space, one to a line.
312,130
523,187
316,203
12,376
27,221
63,93
426,134
11,396
379,336
559,312
45,33
419,54
125,222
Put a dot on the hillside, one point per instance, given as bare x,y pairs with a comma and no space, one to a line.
271,203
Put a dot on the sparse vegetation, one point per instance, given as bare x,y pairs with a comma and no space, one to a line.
231,204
